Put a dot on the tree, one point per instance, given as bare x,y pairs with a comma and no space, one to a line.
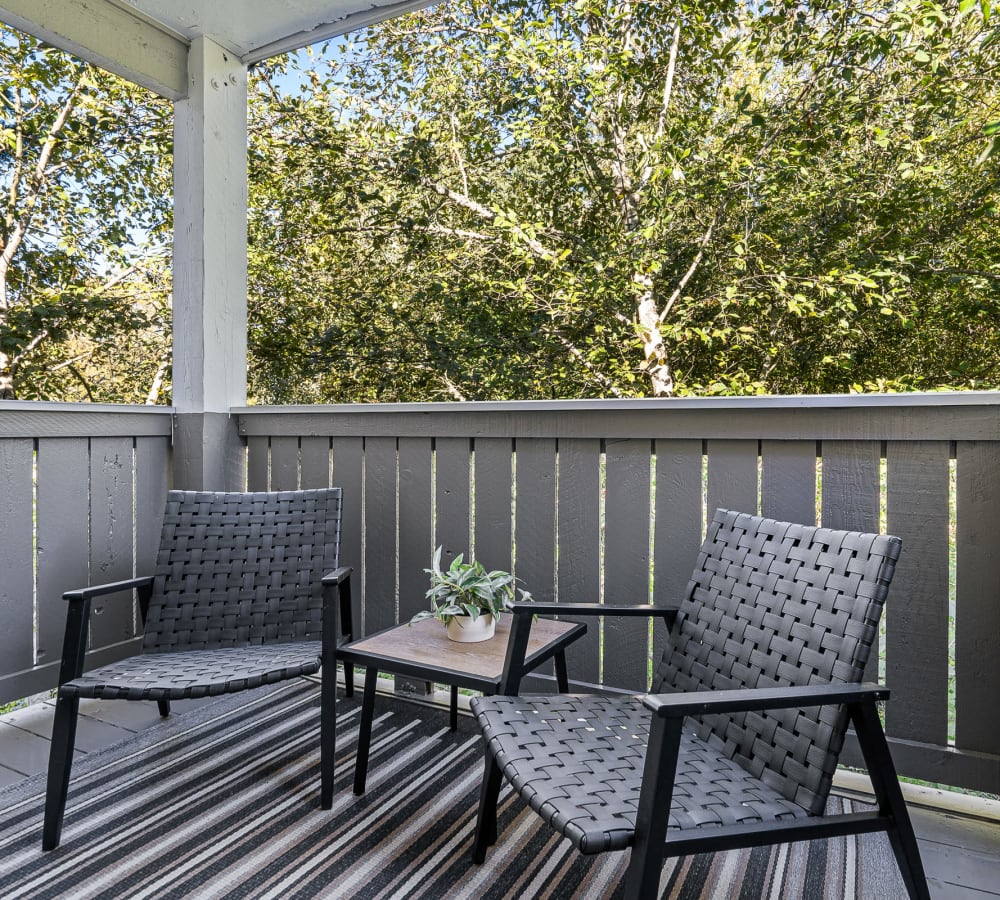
85,170
529,198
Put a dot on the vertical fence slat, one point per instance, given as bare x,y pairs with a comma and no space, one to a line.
977,617
415,523
493,487
315,462
452,497
626,561
850,494
732,476
916,614
284,463
579,547
788,481
151,484
63,527
535,518
535,526
380,533
348,469
850,497
16,566
677,524
258,451
111,620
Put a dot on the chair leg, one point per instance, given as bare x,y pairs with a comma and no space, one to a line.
327,736
486,821
907,853
164,707
60,764
365,730
562,673
348,679
642,879
875,748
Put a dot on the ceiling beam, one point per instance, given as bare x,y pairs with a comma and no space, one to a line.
326,30
108,36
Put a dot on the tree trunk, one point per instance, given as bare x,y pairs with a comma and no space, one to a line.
6,378
654,350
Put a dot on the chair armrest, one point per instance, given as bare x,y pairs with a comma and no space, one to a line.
697,703
338,614
591,609
114,587
78,620
337,576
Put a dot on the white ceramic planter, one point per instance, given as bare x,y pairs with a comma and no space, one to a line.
467,630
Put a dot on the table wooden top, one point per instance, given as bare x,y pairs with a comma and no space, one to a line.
426,643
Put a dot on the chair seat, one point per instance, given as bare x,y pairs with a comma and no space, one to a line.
196,673
577,761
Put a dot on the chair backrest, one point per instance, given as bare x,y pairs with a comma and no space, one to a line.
775,604
242,569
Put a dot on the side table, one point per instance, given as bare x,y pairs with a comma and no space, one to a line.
424,652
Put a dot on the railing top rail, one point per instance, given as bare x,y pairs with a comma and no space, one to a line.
30,419
896,417
772,401
53,406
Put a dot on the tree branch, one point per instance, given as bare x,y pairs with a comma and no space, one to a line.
157,384
686,277
449,385
15,361
668,88
41,173
597,374
484,212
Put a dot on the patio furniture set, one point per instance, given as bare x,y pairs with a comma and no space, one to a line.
734,745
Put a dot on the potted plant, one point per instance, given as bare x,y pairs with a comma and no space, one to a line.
467,598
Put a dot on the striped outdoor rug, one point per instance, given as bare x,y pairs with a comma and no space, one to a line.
224,802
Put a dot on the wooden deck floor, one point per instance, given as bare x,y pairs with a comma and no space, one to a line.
960,844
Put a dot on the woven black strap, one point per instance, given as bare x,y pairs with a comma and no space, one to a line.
238,569
237,600
775,604
197,673
577,761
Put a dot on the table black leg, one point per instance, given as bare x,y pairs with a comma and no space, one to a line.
454,707
365,730
562,676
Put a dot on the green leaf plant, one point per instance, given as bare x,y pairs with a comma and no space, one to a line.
467,589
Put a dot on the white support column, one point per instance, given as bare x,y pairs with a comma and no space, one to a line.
210,269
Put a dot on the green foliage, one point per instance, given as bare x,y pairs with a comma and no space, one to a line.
84,219
467,589
536,199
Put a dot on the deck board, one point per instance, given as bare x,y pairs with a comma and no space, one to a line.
25,733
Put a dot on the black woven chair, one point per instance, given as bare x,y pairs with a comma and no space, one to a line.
248,591
737,743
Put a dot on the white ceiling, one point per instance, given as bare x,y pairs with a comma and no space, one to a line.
256,29
147,41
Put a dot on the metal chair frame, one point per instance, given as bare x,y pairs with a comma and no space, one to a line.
296,643
533,764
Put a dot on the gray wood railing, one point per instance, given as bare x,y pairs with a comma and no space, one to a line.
81,498
607,501
585,500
